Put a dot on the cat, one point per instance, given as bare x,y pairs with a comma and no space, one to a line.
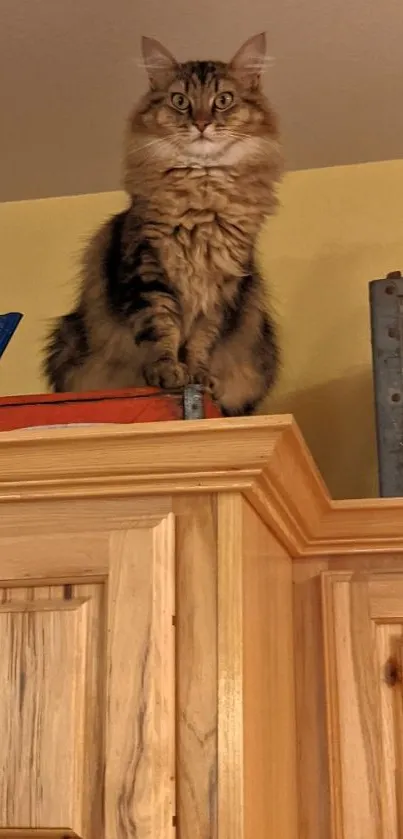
169,292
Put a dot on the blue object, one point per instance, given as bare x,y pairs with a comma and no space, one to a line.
8,325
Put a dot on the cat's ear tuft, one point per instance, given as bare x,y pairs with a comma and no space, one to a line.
158,61
249,62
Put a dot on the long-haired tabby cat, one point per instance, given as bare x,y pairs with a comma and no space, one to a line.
170,293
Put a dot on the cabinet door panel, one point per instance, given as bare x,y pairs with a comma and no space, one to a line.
50,699
87,681
363,619
140,756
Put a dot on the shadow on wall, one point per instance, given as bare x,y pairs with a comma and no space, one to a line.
337,421
337,229
322,306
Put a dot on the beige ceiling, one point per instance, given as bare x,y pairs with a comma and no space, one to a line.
70,70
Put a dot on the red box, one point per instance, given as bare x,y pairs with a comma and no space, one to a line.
121,406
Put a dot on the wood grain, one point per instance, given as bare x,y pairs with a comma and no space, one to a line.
140,750
270,772
264,458
61,630
386,598
396,743
230,669
53,516
384,573
27,833
257,735
363,631
50,707
93,510
344,709
389,644
196,690
108,459
77,555
312,754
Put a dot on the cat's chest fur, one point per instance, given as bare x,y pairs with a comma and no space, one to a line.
204,231
201,253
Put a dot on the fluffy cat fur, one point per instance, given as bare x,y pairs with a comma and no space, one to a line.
170,292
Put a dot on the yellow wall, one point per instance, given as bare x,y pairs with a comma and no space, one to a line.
338,229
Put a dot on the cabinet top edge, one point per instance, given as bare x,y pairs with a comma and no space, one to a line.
119,431
264,458
199,455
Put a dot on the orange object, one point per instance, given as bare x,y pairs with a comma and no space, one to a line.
120,406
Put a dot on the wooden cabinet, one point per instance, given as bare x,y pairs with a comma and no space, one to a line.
363,619
146,672
87,673
195,640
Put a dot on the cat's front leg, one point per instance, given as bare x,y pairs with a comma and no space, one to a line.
158,334
154,313
198,352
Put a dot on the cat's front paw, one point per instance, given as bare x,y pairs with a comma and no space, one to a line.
208,382
166,373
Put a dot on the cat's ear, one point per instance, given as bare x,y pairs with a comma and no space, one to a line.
249,62
159,62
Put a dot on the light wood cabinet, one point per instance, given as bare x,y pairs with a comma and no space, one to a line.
363,617
195,640
87,674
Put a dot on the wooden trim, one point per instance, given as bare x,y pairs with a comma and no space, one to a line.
328,578
360,709
270,793
310,702
230,669
196,669
264,458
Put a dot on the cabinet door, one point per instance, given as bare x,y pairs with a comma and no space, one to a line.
87,671
363,620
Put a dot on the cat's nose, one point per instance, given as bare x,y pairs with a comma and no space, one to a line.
202,123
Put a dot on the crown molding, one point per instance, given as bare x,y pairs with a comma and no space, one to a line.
264,458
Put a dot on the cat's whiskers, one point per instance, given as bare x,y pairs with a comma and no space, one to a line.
236,135
253,141
158,141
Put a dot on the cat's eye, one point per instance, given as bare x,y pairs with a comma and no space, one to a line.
223,101
180,101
